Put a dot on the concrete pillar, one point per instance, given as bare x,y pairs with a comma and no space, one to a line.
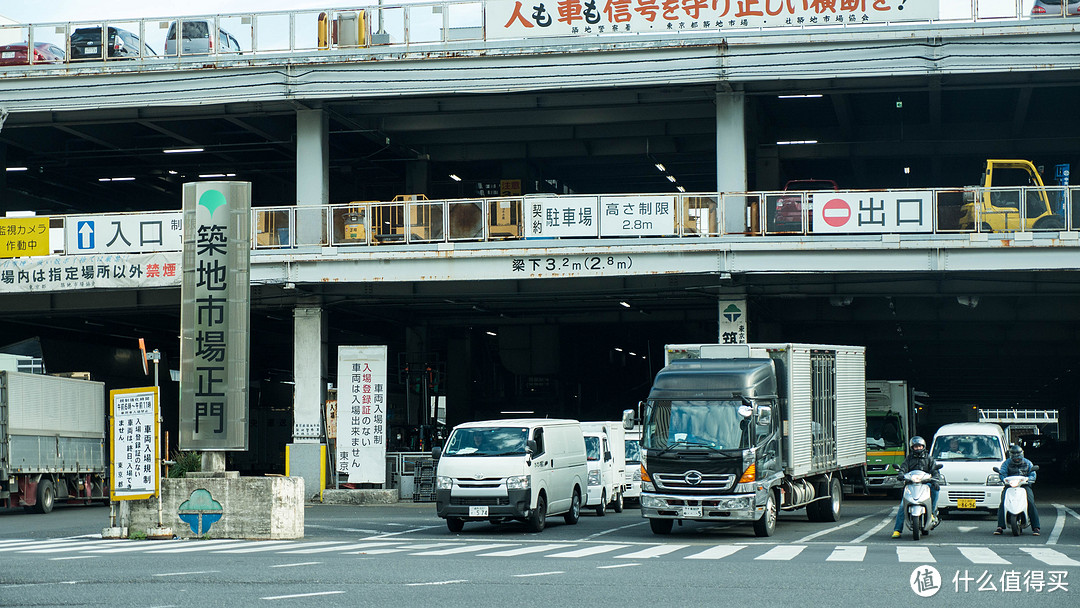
312,173
417,177
731,156
309,374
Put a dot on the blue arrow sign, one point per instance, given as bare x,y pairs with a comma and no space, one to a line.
86,234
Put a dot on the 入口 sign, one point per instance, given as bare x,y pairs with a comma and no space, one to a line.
124,233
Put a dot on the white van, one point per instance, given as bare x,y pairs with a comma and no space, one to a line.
501,470
968,453
633,465
199,37
605,449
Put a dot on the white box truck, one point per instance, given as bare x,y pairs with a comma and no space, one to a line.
605,449
739,432
52,441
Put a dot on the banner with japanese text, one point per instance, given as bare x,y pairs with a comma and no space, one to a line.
361,414
134,447
873,212
525,19
72,272
215,316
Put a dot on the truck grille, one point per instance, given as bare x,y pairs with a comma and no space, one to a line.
686,481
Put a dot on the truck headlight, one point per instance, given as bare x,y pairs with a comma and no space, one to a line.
444,483
594,478
637,474
519,482
652,502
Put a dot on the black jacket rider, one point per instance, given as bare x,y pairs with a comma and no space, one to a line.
921,462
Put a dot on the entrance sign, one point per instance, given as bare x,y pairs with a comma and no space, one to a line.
124,232
214,316
361,414
873,212
134,446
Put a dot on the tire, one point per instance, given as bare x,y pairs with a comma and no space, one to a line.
1049,222
538,517
827,510
1013,522
46,496
455,524
601,508
916,530
574,514
618,505
766,524
942,513
661,526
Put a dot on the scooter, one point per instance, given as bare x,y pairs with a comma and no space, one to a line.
917,503
1016,501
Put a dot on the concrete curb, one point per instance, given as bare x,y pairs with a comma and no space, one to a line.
357,497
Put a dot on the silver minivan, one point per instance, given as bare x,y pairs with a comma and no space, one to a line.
196,38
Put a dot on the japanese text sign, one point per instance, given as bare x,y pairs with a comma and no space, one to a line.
24,237
134,447
526,19
560,216
873,212
68,272
124,233
642,215
215,316
733,321
361,413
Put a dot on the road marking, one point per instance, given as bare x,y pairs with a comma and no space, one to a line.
203,545
656,551
526,550
294,565
810,537
437,583
782,553
465,549
186,573
717,552
1059,523
919,555
888,519
14,541
66,548
848,553
264,545
57,559
318,547
348,547
539,574
982,555
587,551
967,528
610,530
379,551
1050,557
389,534
139,545
617,566
296,595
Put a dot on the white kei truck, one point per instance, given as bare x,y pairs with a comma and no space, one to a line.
605,449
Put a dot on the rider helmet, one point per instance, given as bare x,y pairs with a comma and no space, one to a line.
1016,453
918,445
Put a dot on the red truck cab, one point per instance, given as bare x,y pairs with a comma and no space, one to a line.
787,211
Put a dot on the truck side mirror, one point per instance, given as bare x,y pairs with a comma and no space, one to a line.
607,456
530,447
764,415
628,419
436,452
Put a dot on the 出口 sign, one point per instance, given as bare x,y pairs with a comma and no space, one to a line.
873,212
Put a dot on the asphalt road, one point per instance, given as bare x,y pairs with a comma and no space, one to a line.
403,555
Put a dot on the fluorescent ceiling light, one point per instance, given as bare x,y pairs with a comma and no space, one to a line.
171,172
455,177
116,179
16,168
517,412
796,141
206,175
907,170
618,349
491,333
681,189
181,150
661,167
812,96
624,304
670,178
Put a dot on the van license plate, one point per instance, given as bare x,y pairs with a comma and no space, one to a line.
690,512
965,503
478,511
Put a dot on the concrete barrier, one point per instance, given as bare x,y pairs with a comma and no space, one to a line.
359,497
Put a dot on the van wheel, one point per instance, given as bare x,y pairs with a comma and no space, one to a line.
574,514
602,507
46,496
539,515
455,524
661,526
618,503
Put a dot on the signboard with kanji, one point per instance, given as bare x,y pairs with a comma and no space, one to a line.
560,216
24,236
732,321
133,450
874,212
524,19
68,272
124,233
637,215
214,316
361,414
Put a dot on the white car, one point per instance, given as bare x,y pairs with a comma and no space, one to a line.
196,39
968,453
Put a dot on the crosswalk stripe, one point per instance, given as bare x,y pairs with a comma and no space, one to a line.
263,545
782,552
982,555
656,551
69,547
379,551
717,552
316,547
587,551
7,544
847,553
919,555
456,550
349,547
132,547
526,550
1050,557
202,545
49,544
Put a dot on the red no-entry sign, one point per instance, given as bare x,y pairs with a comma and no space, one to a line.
836,212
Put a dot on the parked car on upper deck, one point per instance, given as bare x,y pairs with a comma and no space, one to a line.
44,52
1052,8
787,216
196,39
86,43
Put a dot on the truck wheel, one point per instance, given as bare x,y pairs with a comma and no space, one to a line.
602,507
766,524
1049,222
539,515
574,514
618,503
455,524
661,526
46,496
826,509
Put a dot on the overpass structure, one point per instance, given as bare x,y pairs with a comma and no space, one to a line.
493,133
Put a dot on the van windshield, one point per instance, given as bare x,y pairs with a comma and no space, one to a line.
633,451
967,447
592,448
490,441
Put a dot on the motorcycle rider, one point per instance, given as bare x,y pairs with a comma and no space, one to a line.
1016,464
918,459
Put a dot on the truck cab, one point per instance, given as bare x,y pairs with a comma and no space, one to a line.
1011,197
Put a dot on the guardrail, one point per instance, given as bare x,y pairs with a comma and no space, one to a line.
413,24
550,220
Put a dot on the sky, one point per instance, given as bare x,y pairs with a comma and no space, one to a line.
51,11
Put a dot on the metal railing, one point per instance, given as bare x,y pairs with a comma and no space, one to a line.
405,24
1018,415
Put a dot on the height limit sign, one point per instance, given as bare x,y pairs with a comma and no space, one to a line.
732,321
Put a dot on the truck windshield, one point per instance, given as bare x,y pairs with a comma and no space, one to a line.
491,441
695,424
592,448
883,431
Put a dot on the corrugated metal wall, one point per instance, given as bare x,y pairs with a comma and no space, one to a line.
47,405
851,407
797,372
